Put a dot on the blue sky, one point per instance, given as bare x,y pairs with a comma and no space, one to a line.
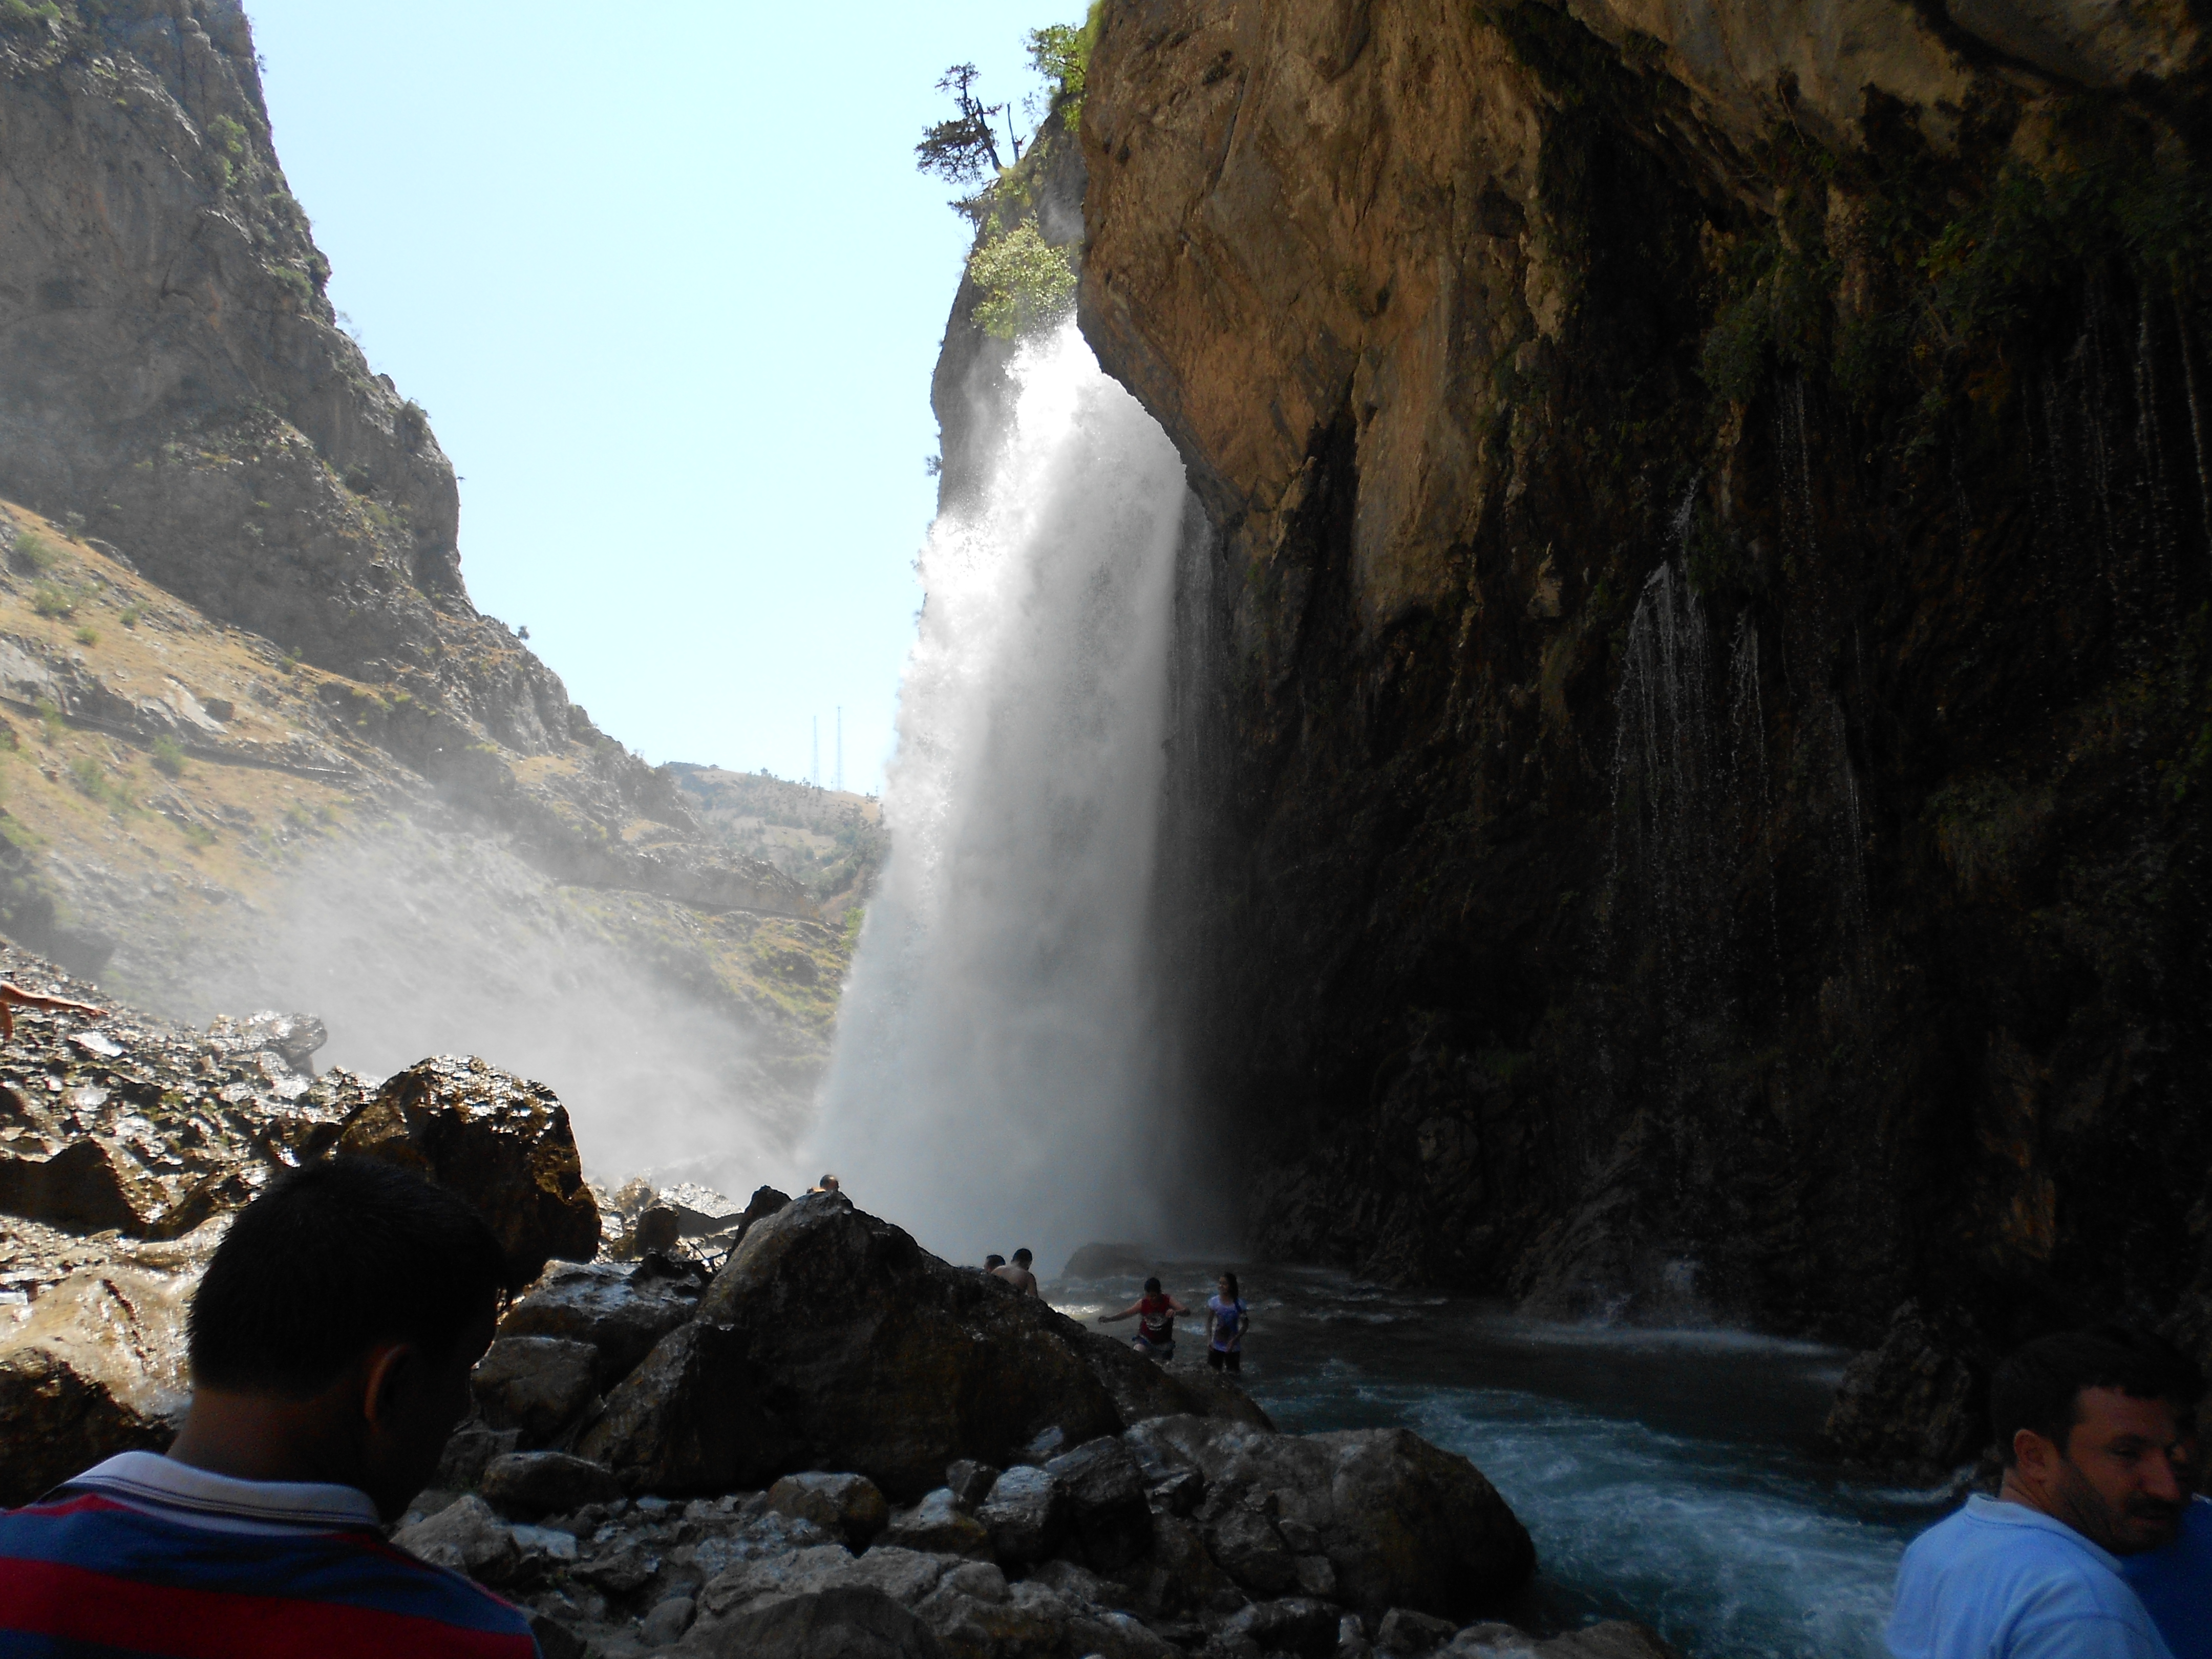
670,288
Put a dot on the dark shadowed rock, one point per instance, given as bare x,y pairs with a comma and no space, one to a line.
833,1341
501,1141
970,1481
1142,1387
528,1485
1405,1631
1026,1514
621,1311
658,1229
538,1384
99,1367
1298,1625
1917,1403
557,1640
1110,1514
1401,1523
471,1451
848,1506
466,1536
847,1622
82,1188
939,1526
668,1621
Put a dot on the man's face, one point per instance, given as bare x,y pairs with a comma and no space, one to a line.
2123,1478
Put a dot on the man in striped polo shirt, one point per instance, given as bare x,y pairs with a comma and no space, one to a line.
331,1345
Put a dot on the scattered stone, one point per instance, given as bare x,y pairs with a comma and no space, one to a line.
469,1538
1107,1499
970,1481
1026,1514
555,1640
852,1622
847,1505
538,1384
469,1452
536,1483
83,1189
1406,1631
1298,1625
501,1141
622,1312
939,1526
668,1621
99,1367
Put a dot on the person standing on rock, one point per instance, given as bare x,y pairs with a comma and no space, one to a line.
2094,1429
331,1342
1018,1274
14,996
1226,1321
1155,1313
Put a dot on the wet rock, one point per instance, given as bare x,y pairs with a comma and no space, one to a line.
466,1536
848,1622
850,1506
618,1572
1401,1523
937,1524
538,1384
657,1228
668,1621
836,1342
1110,1514
99,1367
501,1141
470,1451
620,1312
1299,1625
1918,1403
83,1188
1405,1631
1142,1387
1026,1514
531,1483
970,1481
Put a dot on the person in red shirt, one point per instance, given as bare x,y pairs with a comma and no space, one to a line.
1155,1313
331,1342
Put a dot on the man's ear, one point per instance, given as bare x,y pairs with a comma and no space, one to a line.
2035,1455
394,1371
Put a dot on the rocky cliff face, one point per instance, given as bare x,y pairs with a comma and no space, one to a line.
276,742
1705,637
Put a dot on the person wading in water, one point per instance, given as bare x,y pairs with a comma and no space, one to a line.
1227,1319
1155,1313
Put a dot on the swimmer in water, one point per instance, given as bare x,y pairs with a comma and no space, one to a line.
1155,1313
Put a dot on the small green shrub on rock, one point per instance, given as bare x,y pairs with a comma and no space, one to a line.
168,758
1029,284
51,601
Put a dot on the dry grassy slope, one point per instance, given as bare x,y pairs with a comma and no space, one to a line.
831,842
169,782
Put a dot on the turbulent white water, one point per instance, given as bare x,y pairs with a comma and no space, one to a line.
996,1080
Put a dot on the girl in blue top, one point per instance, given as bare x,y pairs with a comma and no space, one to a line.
1226,1321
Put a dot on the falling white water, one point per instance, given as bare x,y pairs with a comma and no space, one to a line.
996,1079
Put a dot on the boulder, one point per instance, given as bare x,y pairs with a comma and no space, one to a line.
469,1452
669,1619
1401,1523
1918,1403
845,1622
939,1526
850,1506
1026,1514
1298,1625
970,1481
621,1311
97,1369
1110,1513
832,1340
528,1485
1142,1387
1179,1578
657,1230
83,1189
538,1384
1405,1631
501,1142
466,1536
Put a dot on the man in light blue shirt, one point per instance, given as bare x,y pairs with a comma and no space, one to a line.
2094,1429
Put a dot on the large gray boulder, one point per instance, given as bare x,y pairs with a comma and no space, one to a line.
1108,1504
1026,1515
621,1311
537,1384
1400,1522
844,1622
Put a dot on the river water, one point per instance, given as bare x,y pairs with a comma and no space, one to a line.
1666,1475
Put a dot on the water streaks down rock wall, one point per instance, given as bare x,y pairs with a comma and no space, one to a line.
1706,637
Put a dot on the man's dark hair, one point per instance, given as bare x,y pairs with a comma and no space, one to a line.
2040,1386
1152,1287
1023,1258
991,1261
332,1260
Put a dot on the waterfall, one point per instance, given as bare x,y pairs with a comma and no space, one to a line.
996,1080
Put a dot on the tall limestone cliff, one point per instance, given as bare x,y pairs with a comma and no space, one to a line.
268,747
1705,735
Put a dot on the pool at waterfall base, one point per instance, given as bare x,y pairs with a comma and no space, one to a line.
1668,1475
